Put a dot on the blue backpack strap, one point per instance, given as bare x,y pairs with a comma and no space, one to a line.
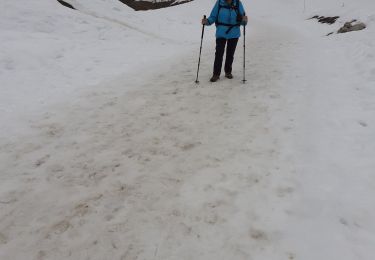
218,11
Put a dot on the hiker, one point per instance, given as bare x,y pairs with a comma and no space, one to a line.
228,16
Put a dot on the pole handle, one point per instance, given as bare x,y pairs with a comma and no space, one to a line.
204,17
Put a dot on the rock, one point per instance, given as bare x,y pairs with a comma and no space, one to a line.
329,20
143,5
323,19
66,4
359,27
349,27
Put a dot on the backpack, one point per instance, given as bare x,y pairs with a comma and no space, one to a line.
235,6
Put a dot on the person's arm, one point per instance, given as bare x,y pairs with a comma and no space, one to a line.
213,16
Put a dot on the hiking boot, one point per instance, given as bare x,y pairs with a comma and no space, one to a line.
229,75
215,78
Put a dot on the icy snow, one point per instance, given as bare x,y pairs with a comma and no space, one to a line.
108,150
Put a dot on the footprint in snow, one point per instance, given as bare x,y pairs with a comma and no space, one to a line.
42,160
60,227
3,239
284,191
362,123
258,234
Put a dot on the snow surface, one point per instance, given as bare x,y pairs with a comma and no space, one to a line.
108,150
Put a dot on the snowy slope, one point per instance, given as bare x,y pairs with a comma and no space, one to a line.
50,52
109,151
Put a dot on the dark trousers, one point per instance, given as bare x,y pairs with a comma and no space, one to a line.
220,47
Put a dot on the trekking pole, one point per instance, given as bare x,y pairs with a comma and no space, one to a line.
244,54
200,52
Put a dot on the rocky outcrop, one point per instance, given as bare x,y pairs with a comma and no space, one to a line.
66,4
323,19
149,5
350,27
354,25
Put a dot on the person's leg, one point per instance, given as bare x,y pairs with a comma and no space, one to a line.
220,47
231,49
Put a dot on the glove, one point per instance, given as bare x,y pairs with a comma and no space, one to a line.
205,22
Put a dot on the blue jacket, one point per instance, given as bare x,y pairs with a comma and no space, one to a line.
226,16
